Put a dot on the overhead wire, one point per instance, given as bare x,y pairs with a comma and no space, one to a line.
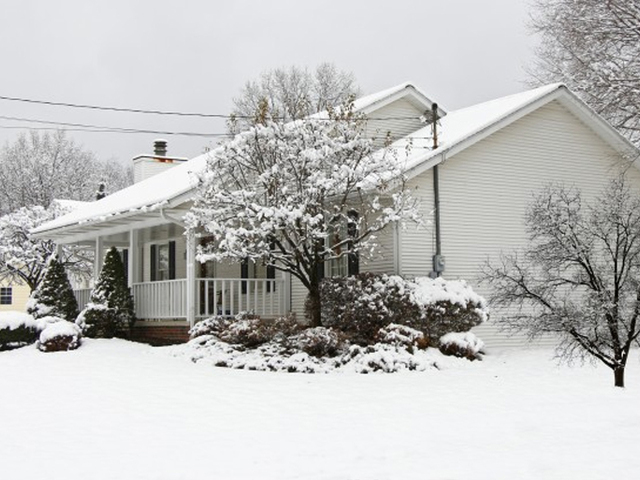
164,112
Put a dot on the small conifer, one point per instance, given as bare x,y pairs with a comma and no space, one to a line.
54,296
111,290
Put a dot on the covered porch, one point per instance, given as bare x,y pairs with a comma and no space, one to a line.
169,286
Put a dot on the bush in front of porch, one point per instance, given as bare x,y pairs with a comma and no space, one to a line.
372,323
110,313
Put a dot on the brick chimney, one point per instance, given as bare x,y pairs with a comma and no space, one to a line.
145,166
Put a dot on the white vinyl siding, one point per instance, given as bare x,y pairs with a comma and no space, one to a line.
486,188
19,297
401,119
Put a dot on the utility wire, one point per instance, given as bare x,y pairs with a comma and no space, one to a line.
101,128
160,112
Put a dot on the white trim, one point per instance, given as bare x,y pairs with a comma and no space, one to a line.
98,258
191,280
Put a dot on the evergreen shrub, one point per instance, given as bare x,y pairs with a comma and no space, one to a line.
54,295
111,310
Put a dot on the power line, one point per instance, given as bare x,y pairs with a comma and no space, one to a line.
106,129
161,112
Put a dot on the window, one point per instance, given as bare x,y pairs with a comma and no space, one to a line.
349,263
163,261
6,295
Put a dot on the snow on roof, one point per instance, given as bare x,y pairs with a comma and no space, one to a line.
145,195
70,204
156,191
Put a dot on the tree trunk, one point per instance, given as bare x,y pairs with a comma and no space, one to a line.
618,375
312,306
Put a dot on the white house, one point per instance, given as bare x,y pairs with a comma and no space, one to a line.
490,159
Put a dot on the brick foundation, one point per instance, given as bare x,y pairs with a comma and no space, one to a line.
160,334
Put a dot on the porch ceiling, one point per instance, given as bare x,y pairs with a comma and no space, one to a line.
152,226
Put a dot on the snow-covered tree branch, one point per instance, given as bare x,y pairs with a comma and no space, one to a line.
38,168
295,195
593,47
579,276
23,259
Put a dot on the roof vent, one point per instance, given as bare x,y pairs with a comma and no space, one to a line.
160,148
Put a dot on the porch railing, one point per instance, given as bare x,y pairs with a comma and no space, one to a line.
229,296
82,297
167,299
160,300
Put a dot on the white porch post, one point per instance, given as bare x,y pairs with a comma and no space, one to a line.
191,280
132,268
59,251
97,264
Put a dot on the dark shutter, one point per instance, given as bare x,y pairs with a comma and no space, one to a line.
271,275
353,258
244,273
153,263
172,260
125,262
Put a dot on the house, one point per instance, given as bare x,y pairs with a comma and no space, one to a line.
13,297
489,161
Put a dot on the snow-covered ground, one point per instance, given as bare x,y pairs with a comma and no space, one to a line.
120,410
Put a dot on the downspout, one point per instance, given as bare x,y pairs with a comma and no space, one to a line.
438,258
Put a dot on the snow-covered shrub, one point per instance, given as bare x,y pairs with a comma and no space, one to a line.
17,329
54,295
251,331
317,342
401,336
445,306
60,336
97,320
360,306
210,326
111,290
384,358
463,345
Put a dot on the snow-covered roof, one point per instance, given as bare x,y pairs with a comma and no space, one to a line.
149,194
461,128
457,130
70,205
159,190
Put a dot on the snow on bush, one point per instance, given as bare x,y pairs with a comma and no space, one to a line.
210,326
97,320
464,344
60,336
17,329
361,305
401,335
317,342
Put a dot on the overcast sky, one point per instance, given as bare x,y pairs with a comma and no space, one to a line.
196,55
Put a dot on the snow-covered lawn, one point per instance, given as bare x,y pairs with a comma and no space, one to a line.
120,410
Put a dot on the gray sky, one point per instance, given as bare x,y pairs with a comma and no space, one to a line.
196,55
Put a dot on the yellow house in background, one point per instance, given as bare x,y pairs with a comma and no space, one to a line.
13,297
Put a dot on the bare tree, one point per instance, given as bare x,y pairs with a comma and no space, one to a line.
38,168
593,46
291,94
296,195
579,276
